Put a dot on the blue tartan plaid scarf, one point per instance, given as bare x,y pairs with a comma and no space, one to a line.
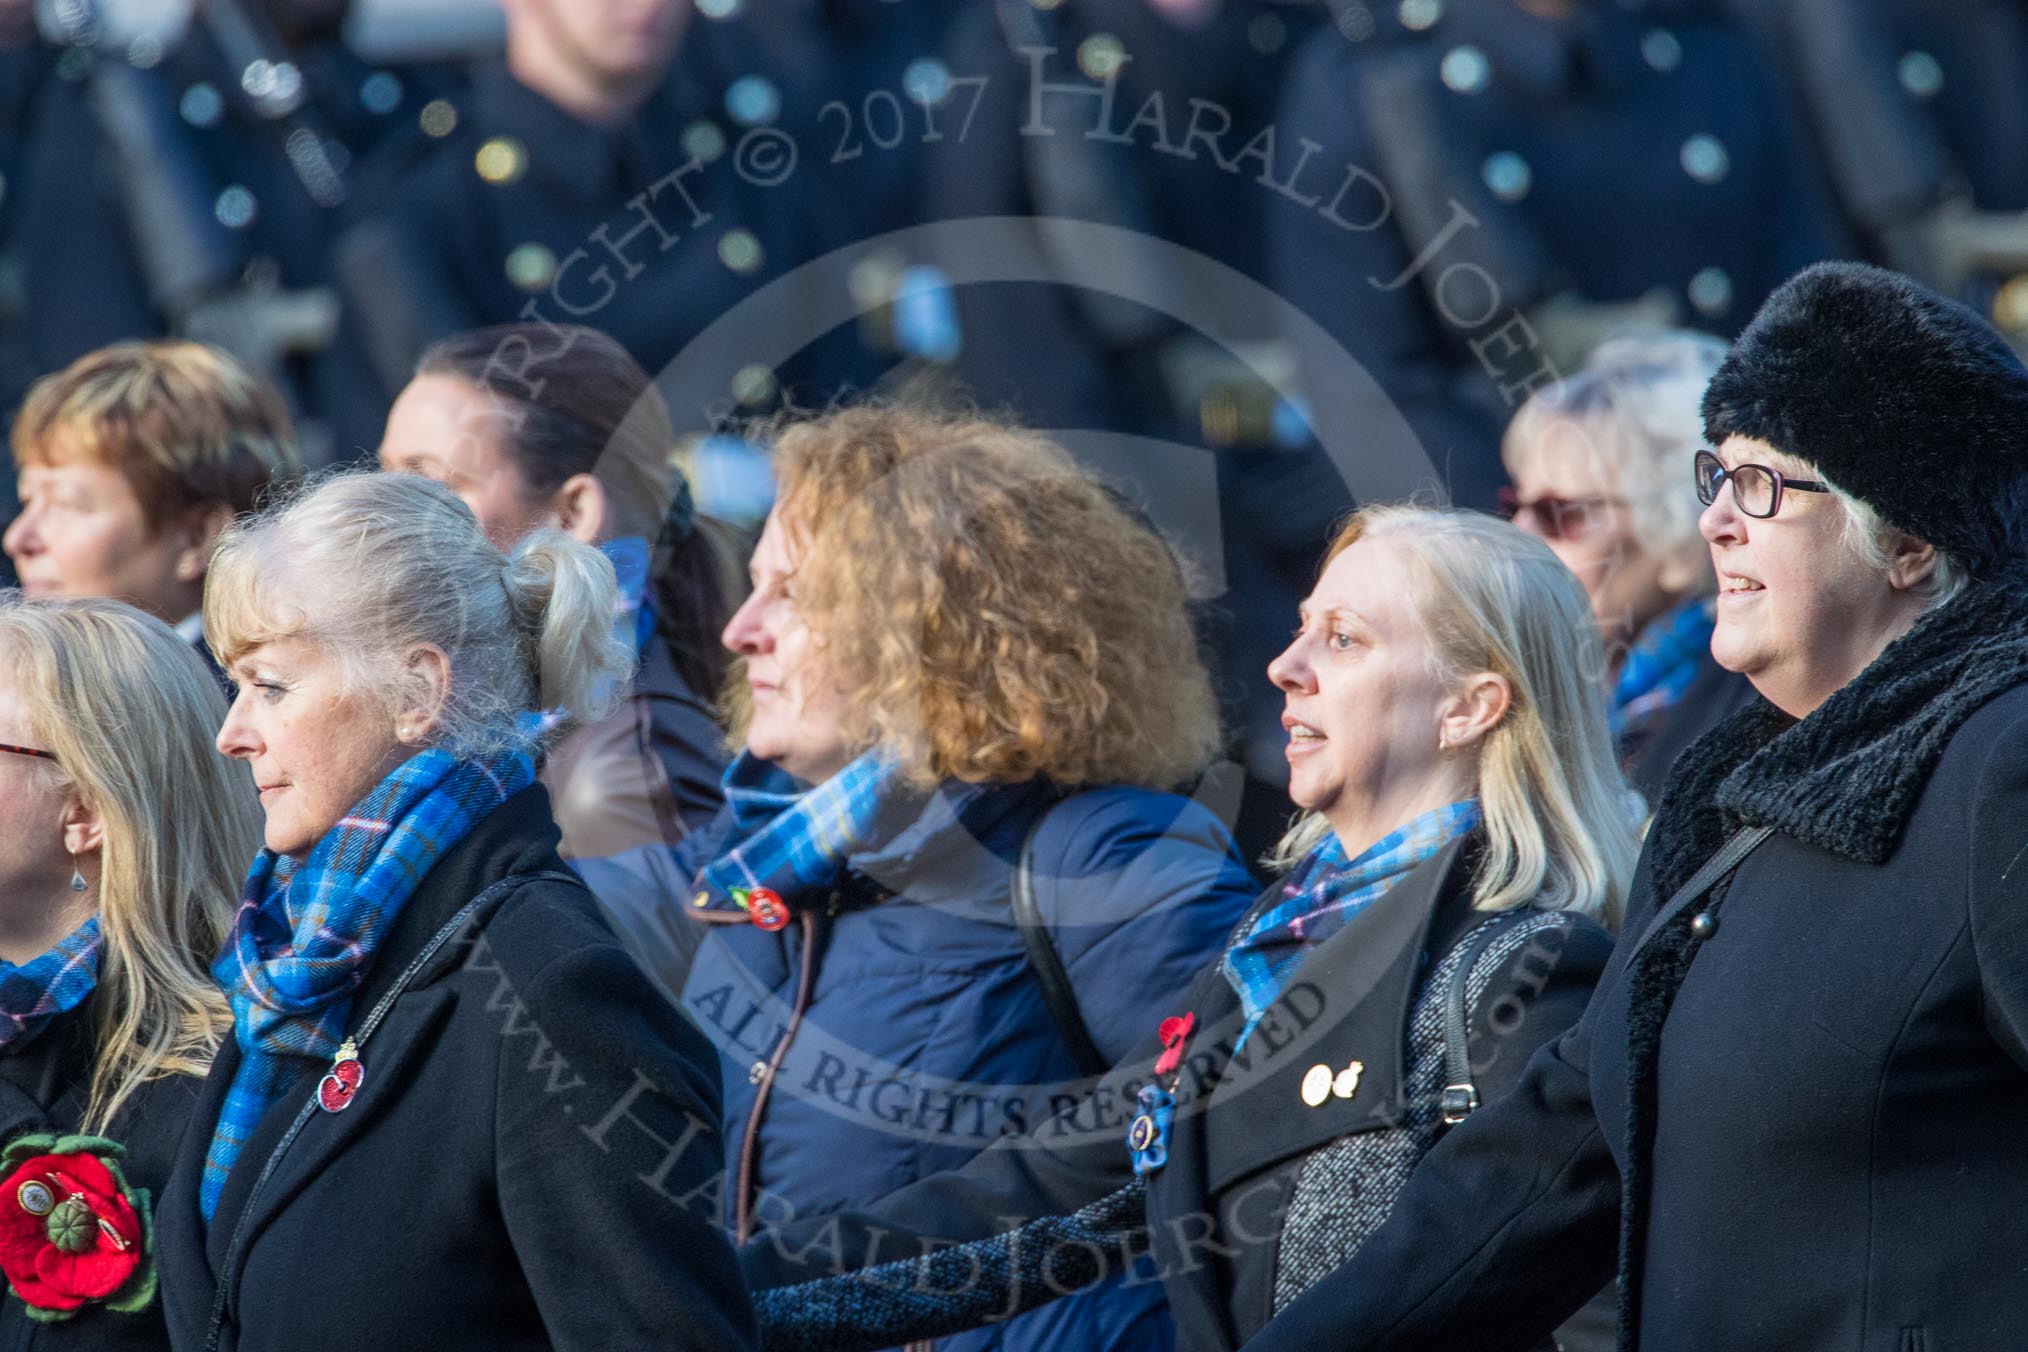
791,839
52,983
1323,894
1662,663
306,933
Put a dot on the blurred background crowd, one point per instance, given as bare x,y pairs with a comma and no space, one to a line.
1256,259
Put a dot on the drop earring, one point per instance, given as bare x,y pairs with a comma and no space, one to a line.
77,878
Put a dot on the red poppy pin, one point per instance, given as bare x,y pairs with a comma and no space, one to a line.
764,906
340,1084
1175,1034
72,1232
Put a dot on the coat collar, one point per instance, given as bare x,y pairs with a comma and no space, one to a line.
1847,778
590,163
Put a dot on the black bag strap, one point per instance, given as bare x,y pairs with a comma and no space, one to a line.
1461,1097
1728,857
1048,965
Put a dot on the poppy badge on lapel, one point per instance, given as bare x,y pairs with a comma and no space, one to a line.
340,1084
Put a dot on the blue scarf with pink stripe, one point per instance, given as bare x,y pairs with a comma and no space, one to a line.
306,933
52,983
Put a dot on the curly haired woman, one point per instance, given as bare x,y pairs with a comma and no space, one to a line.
952,877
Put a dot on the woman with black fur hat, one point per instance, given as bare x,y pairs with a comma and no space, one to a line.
1795,1110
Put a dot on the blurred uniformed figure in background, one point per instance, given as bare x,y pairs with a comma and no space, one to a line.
588,177
1053,88
183,177
1535,175
1920,112
1076,113
25,62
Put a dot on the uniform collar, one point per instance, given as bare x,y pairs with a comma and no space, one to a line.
579,158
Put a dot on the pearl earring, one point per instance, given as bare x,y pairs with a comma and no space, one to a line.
402,732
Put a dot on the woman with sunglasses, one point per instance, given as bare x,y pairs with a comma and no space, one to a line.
122,837
1794,1110
1597,469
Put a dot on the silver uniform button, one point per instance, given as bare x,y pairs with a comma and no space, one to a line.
1661,49
1705,158
1920,74
1465,69
1507,175
1419,16
1711,291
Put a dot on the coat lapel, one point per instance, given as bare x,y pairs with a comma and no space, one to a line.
410,1028
1176,1191
1349,1001
1346,1005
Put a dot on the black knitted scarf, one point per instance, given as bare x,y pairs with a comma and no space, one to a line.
1845,780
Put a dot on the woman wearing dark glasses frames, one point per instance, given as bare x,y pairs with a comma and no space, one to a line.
121,836
1794,1110
1596,462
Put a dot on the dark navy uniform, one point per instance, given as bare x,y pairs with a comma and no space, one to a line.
238,200
507,207
1497,196
836,74
1920,110
1050,139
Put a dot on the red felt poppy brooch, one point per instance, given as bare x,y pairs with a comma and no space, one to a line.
72,1233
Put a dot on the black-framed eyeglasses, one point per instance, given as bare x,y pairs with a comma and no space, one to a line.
28,751
1756,489
1555,518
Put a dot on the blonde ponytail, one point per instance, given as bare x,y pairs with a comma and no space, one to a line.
565,598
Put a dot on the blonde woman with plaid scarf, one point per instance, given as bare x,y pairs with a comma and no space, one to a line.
452,1112
121,840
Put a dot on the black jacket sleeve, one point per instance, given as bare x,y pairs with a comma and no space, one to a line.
612,1215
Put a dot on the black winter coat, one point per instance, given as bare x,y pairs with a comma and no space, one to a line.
525,1164
1267,1182
1799,1118
43,1088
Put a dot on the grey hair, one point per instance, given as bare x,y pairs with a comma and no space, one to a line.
1642,391
1870,538
379,565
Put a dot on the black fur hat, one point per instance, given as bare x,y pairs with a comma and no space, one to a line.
1908,401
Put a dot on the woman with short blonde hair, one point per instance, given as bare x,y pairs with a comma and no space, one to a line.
956,868
122,837
409,954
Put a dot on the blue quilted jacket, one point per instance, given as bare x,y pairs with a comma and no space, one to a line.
921,1034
